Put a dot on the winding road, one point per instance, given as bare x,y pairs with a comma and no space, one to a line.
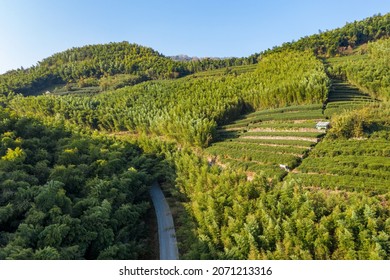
166,229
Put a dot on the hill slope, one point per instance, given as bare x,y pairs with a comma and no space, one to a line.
86,65
333,204
342,41
190,108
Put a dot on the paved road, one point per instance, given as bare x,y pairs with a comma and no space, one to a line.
166,229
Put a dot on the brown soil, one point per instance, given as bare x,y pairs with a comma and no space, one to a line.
268,129
275,145
310,139
250,176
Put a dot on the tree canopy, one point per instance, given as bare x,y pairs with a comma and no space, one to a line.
64,196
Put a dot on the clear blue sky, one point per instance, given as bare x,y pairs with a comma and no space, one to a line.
34,29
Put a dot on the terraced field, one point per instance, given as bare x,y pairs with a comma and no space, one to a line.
269,142
352,165
344,96
280,142
223,71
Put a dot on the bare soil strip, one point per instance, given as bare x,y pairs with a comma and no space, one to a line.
309,139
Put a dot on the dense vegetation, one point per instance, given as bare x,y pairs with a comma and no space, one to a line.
370,73
188,109
86,65
262,141
354,155
233,218
81,195
64,196
341,41
335,205
106,66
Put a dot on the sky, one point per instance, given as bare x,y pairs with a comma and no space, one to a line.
31,30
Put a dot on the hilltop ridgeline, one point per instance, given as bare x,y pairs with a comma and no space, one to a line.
115,65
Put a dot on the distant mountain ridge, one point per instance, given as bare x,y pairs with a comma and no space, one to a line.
184,57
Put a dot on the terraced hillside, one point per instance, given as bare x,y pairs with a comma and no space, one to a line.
268,142
352,165
343,96
355,164
276,142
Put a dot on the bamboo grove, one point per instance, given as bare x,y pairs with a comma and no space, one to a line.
188,109
77,159
66,196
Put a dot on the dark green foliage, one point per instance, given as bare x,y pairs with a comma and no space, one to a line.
64,196
87,64
109,66
343,40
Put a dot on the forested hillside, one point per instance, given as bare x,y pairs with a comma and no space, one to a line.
86,65
248,174
104,67
369,72
64,196
121,64
343,40
188,109
234,218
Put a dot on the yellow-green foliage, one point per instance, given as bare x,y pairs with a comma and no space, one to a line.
370,73
189,109
118,81
15,155
289,77
361,122
373,74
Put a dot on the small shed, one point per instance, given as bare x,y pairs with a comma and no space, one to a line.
323,125
284,167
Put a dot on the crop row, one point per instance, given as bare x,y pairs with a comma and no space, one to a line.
299,108
286,133
345,103
299,143
255,147
298,115
361,166
349,93
368,162
259,157
280,124
346,182
370,147
285,124
268,171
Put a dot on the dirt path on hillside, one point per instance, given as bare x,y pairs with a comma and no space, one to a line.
268,129
293,138
273,145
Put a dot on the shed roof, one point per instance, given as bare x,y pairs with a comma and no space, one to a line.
323,124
